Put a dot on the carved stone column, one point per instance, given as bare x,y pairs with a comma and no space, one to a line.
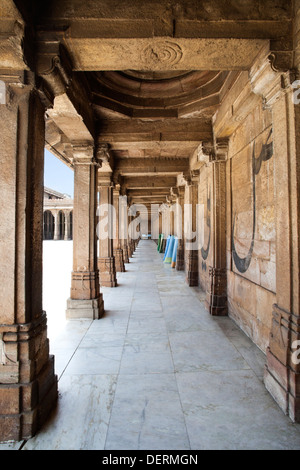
191,254
282,373
180,249
123,229
85,299
56,225
67,226
117,248
106,260
216,296
28,384
131,246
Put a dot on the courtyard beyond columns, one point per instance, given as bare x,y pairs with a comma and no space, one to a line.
156,371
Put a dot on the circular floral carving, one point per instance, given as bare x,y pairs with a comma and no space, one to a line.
163,52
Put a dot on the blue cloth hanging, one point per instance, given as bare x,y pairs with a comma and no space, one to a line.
174,256
169,250
167,247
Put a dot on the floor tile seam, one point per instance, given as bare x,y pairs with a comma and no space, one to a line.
175,376
76,348
119,369
179,395
247,362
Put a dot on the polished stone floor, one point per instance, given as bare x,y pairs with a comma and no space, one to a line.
157,372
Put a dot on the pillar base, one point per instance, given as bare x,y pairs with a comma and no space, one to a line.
28,388
107,272
27,406
131,248
119,261
180,257
125,253
89,308
283,385
216,297
282,371
192,268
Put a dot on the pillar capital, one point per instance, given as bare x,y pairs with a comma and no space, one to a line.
205,152
83,154
53,64
220,151
102,152
270,80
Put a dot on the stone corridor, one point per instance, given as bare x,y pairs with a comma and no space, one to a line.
158,372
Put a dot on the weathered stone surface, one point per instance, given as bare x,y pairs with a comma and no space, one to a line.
178,102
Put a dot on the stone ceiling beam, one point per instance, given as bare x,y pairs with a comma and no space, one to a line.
161,54
142,182
12,38
149,166
68,120
150,193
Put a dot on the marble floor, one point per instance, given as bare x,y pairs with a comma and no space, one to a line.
157,372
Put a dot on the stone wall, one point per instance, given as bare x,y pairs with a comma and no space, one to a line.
251,251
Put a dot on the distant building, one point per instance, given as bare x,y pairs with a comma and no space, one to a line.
58,215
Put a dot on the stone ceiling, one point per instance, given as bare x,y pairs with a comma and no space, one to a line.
154,74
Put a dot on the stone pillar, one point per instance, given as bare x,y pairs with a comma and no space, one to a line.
123,229
180,249
282,372
117,247
85,299
106,260
67,225
56,225
28,384
216,296
130,235
191,254
153,222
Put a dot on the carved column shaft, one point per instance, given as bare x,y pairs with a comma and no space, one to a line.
85,299
216,298
106,260
117,248
28,385
123,229
56,225
180,249
191,254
